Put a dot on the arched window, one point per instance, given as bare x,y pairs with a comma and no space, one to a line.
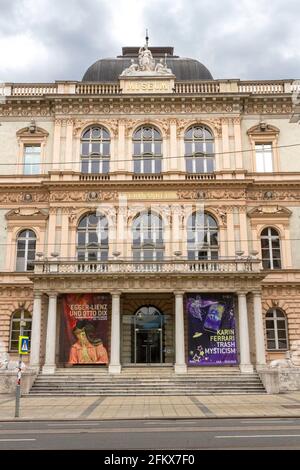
202,236
26,245
147,234
95,150
147,150
277,330
20,326
270,248
199,150
92,238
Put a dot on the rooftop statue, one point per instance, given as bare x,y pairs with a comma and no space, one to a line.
146,65
146,61
131,69
161,68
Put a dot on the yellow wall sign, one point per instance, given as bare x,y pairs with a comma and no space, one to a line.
147,85
23,344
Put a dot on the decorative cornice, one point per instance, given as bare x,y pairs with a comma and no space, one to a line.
26,214
77,106
157,282
25,133
272,212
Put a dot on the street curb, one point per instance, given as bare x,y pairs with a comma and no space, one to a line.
149,418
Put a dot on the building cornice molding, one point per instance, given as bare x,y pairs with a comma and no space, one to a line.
75,106
159,282
63,192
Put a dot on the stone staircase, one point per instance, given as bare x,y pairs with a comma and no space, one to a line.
145,382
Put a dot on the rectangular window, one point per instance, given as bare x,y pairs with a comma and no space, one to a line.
264,157
32,159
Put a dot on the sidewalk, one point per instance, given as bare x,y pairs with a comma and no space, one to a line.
212,406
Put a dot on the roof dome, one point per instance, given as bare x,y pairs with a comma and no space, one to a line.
109,70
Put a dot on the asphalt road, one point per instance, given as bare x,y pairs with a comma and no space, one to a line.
259,433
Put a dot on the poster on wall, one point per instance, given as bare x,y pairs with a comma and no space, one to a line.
85,328
211,329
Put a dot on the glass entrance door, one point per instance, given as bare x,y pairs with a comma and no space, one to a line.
148,336
148,346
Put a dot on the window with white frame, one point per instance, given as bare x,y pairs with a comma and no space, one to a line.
199,150
147,233
147,150
32,159
20,326
270,248
95,150
277,330
202,236
264,157
26,246
92,238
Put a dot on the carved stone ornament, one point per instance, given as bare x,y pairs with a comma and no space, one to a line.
31,213
222,213
111,124
191,194
20,197
65,196
146,65
270,211
101,196
215,124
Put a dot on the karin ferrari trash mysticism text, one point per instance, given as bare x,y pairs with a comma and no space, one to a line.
211,327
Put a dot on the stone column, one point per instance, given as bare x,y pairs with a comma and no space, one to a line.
69,146
243,229
230,232
51,230
245,362
114,365
65,232
175,163
180,365
120,165
259,330
56,145
36,331
49,367
238,143
225,142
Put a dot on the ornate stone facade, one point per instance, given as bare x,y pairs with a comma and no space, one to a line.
242,201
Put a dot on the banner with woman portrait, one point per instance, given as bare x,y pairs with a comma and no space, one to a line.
211,328
84,331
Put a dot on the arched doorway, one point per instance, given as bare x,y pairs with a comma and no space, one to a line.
148,336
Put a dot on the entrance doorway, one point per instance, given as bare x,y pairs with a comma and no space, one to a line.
148,336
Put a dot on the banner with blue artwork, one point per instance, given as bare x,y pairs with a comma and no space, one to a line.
211,328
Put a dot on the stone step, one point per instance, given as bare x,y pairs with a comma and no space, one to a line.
133,382
172,393
145,387
148,382
136,377
126,387
175,381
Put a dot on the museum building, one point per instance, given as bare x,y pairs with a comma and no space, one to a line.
150,216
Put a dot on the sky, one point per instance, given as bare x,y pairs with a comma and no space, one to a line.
48,40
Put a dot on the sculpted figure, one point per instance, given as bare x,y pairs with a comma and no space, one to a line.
131,69
146,61
162,68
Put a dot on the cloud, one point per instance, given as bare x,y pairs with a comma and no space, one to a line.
47,40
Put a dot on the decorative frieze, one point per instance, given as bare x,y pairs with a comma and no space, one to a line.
137,105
